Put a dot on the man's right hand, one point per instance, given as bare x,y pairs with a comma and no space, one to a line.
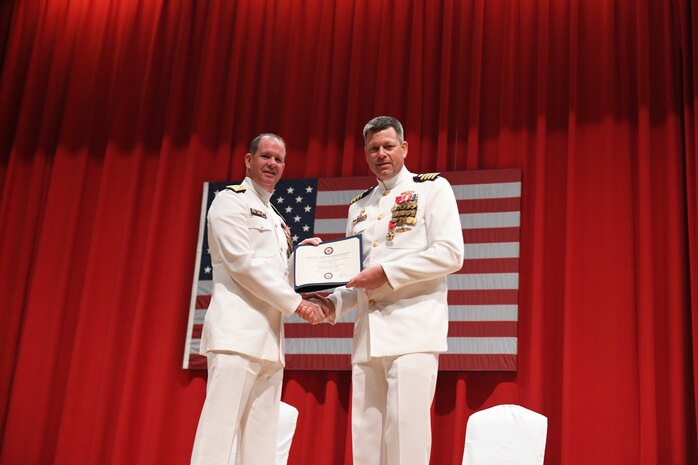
310,312
326,305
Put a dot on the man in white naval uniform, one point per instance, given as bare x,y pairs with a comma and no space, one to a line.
243,328
412,239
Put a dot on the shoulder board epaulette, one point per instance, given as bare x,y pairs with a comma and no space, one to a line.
425,177
236,188
361,195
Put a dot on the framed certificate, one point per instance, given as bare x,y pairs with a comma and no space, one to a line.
328,265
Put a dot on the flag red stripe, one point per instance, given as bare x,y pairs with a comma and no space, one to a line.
462,177
344,184
202,301
197,362
346,330
331,237
482,329
490,235
447,362
513,204
490,265
305,330
318,362
196,331
469,297
509,204
470,236
483,176
331,212
480,362
455,329
483,297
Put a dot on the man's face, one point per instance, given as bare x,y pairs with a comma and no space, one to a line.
385,154
267,164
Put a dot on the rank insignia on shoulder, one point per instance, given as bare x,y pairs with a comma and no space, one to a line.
361,195
425,177
236,188
258,213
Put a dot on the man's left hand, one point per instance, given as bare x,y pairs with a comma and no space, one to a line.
312,241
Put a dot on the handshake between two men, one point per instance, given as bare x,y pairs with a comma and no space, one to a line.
315,308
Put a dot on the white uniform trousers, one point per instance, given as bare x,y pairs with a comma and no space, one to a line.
391,409
242,398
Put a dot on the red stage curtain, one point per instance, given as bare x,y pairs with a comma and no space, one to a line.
113,114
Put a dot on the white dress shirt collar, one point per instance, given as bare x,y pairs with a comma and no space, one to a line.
389,184
261,193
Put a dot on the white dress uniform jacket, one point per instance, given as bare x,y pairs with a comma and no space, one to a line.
410,314
249,247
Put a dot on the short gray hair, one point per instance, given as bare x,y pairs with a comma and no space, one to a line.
380,123
254,145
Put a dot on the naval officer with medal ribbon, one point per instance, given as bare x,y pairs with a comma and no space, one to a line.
412,241
243,335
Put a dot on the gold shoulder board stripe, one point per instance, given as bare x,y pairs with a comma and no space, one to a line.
236,188
361,195
426,177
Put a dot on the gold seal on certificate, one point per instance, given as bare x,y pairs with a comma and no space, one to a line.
328,265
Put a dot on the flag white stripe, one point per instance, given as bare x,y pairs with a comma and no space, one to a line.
462,282
495,250
455,281
471,251
482,345
318,345
468,220
192,302
502,190
462,345
490,220
330,226
339,198
455,312
483,312
205,287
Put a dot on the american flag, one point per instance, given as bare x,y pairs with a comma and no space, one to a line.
483,295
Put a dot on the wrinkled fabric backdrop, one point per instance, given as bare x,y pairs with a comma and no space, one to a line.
113,114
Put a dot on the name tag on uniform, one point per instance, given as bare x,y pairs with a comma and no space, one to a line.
258,213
